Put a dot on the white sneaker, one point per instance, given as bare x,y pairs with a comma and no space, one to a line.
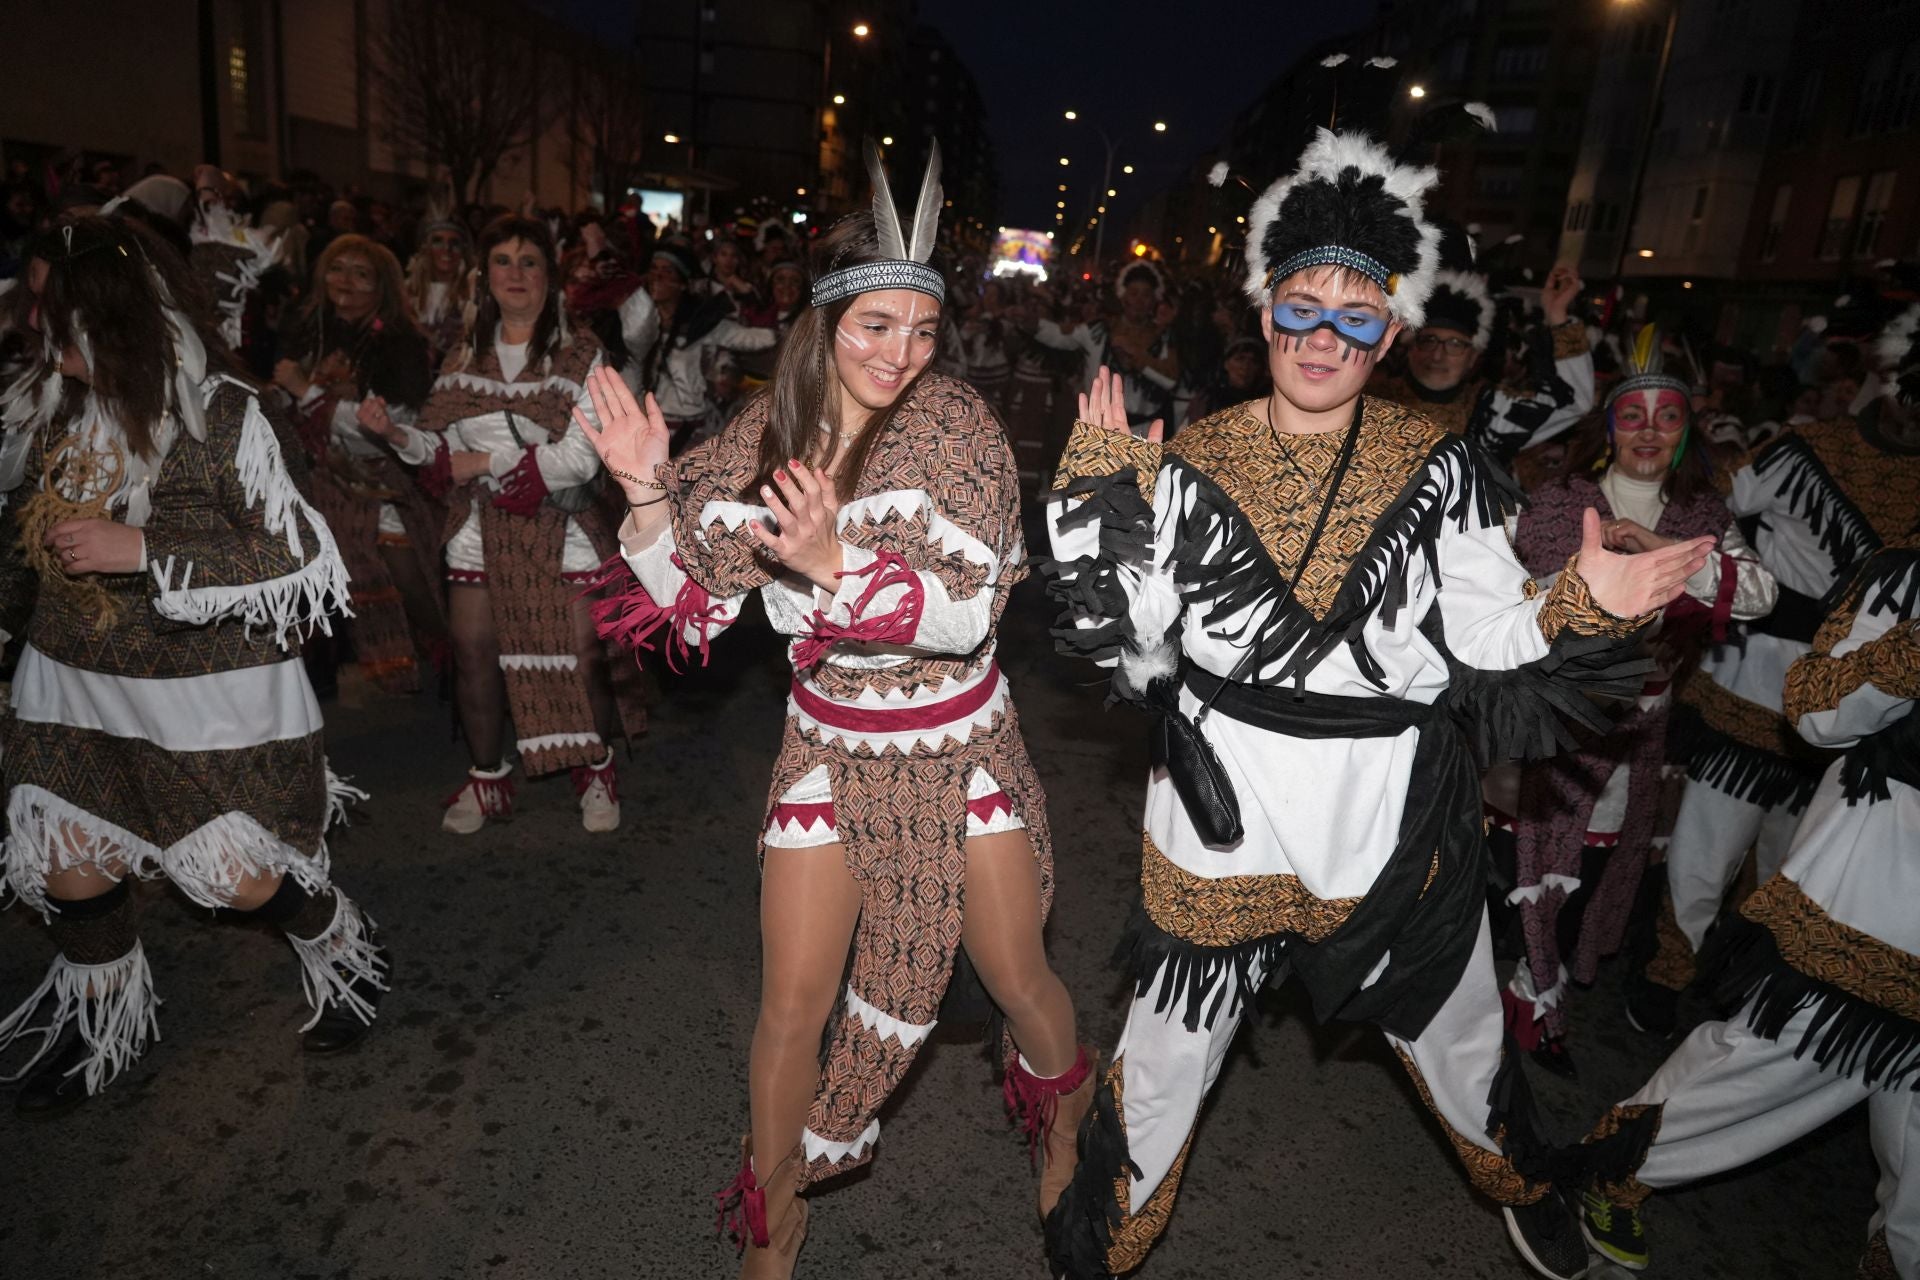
599,787
487,793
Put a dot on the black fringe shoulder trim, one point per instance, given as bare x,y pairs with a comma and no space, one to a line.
1811,493
1741,964
1223,568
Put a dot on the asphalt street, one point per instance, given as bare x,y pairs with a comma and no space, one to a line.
557,1083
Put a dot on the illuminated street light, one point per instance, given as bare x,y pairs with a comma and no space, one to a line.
1159,126
1073,115
1241,221
1213,231
1064,161
1063,186
1111,193
799,191
1059,204
1139,251
1101,209
1126,168
839,99
860,30
1646,253
671,137
1417,91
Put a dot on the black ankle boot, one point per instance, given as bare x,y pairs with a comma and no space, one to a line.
50,1091
340,1027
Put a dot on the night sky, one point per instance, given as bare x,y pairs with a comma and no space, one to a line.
1121,63
1125,64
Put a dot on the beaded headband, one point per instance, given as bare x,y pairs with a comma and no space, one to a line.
866,277
1334,255
1649,382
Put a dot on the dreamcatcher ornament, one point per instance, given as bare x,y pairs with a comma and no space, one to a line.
77,482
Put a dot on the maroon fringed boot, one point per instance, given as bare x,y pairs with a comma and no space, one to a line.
767,1220
1049,1111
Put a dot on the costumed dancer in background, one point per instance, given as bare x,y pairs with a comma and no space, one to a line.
1825,956
159,568
1303,587
230,257
1817,500
440,282
1443,379
1655,486
692,327
905,819
524,535
355,343
1138,350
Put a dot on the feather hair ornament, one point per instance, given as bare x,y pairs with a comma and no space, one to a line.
904,250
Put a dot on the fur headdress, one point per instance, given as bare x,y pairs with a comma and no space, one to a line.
1140,270
905,249
1349,204
1461,299
1899,353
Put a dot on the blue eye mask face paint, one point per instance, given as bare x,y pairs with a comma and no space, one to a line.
1361,331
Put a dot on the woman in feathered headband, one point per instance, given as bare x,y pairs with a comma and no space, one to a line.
874,505
1592,813
161,568
1304,588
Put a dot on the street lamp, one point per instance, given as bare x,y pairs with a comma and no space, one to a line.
860,30
1106,178
1159,126
1126,168
839,99
670,138
1064,162
887,141
1073,115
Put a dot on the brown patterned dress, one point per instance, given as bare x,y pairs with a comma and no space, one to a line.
901,738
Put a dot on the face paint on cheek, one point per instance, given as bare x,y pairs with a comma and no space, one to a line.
856,341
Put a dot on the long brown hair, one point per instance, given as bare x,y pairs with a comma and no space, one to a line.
392,308
547,330
805,390
105,279
1590,453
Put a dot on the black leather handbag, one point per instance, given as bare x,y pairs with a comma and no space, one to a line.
1179,745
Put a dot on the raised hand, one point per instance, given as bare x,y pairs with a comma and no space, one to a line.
631,440
807,534
1556,296
1627,586
374,419
1106,406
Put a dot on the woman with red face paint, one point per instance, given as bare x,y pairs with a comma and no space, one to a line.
1584,820
874,505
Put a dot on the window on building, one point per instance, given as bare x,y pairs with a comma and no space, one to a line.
1873,214
1875,94
1516,122
1833,233
1520,61
1776,224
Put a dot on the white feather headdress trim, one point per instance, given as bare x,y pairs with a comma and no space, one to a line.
1894,346
1326,157
1473,286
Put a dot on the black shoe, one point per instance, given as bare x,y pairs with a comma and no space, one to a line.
1614,1231
1547,1234
340,1027
1651,1008
1552,1054
50,1091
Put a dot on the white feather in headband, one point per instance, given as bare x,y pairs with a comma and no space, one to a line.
1350,203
